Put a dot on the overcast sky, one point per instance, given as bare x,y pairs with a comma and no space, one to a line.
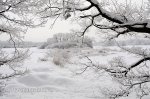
42,33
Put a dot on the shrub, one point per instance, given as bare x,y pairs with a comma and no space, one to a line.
43,46
61,57
43,59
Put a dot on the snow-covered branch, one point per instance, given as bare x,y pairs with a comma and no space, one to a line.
122,21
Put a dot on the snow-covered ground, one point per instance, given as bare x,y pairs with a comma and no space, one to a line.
49,81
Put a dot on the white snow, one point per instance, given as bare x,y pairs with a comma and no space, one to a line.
48,81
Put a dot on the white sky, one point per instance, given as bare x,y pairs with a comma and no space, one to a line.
41,34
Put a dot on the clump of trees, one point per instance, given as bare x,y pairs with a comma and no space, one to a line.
68,40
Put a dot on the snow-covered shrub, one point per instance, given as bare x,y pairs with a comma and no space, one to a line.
43,59
88,42
43,46
61,57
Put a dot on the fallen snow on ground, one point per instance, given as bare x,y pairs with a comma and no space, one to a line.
48,81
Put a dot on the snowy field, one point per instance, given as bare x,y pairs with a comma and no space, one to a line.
46,80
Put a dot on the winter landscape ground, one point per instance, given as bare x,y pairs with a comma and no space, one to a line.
46,80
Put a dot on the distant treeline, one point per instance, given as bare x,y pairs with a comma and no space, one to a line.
124,42
8,44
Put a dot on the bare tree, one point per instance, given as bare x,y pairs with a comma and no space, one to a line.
16,17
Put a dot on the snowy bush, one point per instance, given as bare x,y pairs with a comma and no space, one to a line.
43,46
88,42
61,57
43,59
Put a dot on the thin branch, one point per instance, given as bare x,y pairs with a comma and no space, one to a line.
84,9
11,6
